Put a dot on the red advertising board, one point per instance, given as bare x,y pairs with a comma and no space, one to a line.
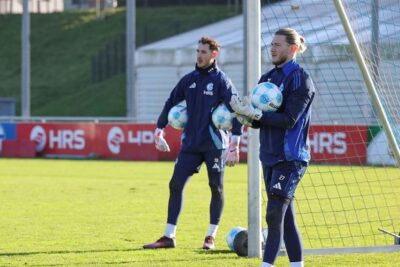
106,140
329,143
133,142
58,139
344,144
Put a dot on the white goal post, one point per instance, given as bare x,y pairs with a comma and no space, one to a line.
252,74
348,201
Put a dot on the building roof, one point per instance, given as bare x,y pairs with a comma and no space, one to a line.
316,20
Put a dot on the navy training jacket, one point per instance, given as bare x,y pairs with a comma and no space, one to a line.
284,133
203,90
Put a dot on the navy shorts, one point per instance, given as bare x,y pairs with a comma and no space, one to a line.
282,179
189,163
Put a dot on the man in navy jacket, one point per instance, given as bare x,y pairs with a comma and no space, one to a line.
203,90
284,145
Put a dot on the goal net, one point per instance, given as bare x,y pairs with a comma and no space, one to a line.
351,187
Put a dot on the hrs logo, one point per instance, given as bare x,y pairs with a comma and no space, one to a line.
330,143
58,138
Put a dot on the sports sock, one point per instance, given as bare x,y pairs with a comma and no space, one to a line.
170,230
297,264
264,264
212,230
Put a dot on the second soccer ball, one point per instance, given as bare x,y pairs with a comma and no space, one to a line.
266,96
177,116
222,117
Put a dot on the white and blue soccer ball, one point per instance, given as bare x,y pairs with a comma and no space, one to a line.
266,96
222,117
177,116
237,240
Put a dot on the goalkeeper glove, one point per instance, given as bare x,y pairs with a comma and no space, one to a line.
232,156
159,140
244,108
246,121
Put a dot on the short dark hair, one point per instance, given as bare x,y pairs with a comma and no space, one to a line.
214,45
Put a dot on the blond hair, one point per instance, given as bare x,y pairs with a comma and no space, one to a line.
293,37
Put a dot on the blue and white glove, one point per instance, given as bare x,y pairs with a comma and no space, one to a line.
245,108
232,156
159,140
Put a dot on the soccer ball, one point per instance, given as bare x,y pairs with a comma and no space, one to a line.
266,96
222,117
177,116
237,240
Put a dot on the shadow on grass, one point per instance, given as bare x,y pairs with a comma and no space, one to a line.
214,251
30,253
9,254
140,262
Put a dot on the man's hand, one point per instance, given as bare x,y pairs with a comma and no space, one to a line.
159,140
244,108
246,121
232,156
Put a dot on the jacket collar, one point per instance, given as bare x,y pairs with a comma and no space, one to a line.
209,69
288,67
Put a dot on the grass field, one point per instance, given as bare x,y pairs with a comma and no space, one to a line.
100,213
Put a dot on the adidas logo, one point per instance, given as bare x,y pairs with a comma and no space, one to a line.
277,186
193,85
217,167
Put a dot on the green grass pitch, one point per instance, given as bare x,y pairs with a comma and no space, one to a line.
100,213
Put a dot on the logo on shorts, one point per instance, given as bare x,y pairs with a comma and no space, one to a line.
282,177
277,186
216,165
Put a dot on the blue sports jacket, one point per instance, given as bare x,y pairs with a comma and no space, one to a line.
284,133
203,90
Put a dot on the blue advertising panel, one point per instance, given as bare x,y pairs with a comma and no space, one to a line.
8,131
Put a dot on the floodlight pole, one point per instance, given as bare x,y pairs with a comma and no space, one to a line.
252,45
130,59
25,62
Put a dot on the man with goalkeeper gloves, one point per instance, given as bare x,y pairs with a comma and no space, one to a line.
203,90
284,145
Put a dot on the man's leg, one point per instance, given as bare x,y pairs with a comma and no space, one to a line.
276,209
292,237
281,182
185,166
215,169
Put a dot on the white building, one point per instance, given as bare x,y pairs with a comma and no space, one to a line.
35,6
51,6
